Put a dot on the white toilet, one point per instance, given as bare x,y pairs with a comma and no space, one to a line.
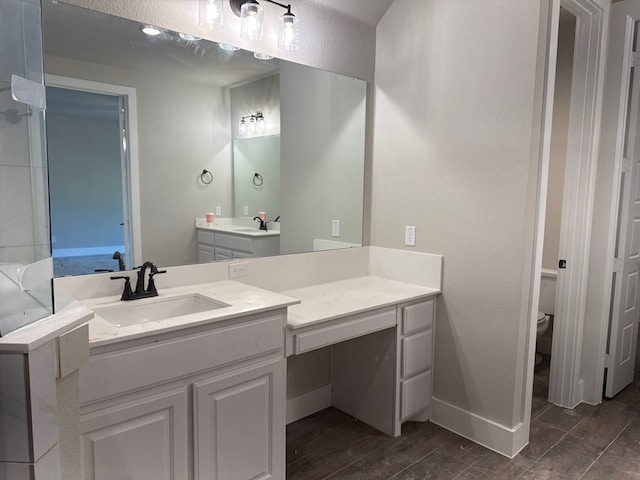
543,324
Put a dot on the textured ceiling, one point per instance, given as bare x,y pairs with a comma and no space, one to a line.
369,11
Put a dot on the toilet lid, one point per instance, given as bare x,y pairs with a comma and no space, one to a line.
541,316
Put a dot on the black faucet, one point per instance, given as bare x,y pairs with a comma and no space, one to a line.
140,291
263,223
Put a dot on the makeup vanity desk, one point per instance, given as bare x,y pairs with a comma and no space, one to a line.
380,333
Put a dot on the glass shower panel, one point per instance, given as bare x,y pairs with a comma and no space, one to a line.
25,251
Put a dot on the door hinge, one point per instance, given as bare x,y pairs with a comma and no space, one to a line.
618,265
635,59
608,361
627,165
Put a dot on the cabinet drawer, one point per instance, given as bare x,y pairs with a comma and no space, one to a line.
118,372
205,237
417,317
416,395
234,242
349,328
416,353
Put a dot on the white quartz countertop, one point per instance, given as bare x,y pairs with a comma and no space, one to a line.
240,230
328,301
242,300
32,336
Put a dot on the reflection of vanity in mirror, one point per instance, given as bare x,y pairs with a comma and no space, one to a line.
179,104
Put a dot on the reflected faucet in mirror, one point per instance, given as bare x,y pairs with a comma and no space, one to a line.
263,223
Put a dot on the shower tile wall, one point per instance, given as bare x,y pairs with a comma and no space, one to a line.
24,210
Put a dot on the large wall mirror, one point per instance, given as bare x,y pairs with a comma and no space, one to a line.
134,122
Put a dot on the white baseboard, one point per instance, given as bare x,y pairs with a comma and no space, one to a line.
308,403
496,437
81,252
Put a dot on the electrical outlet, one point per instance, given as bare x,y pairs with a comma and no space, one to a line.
410,236
53,239
245,210
335,228
238,270
218,211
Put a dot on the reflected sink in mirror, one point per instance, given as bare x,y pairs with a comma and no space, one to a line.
156,309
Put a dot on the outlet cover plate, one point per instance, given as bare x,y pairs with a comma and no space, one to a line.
238,269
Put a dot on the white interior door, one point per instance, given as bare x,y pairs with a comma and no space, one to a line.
625,310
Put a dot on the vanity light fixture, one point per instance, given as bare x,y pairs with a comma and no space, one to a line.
210,14
251,123
251,16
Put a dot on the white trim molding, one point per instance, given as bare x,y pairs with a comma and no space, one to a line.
566,383
503,440
308,403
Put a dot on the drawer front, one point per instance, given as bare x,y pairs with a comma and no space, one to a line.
416,395
417,317
416,353
234,242
118,372
345,330
205,237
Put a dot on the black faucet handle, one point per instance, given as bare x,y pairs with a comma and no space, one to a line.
127,294
120,277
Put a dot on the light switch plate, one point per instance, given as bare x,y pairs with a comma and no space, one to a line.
245,210
218,211
335,228
410,235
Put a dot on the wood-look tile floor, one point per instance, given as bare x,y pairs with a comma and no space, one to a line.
590,443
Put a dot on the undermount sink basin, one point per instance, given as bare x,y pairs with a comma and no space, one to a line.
150,310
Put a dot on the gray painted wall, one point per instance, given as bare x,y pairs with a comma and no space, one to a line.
455,126
322,157
183,128
561,103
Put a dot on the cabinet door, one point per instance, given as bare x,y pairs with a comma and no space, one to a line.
205,253
239,424
144,439
222,254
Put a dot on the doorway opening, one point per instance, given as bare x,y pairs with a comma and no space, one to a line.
94,206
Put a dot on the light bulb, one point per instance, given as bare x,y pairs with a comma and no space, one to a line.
211,14
251,20
262,124
252,125
243,127
288,35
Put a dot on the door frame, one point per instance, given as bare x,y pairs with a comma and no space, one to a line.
566,383
133,173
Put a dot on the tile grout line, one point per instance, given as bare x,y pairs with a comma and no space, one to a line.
412,464
609,446
551,448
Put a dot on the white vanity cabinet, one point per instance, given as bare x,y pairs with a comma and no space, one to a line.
415,336
205,403
215,245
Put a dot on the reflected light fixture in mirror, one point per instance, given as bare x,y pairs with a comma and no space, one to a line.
252,123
